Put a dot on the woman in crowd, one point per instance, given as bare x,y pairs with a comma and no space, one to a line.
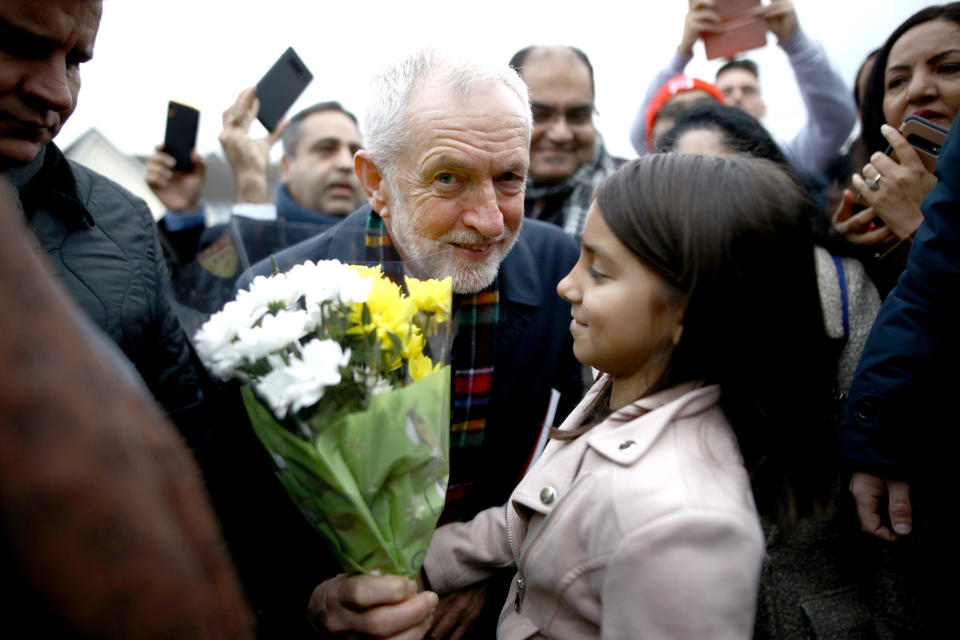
695,297
917,72
847,295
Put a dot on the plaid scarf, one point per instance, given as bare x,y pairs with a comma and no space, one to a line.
476,316
580,185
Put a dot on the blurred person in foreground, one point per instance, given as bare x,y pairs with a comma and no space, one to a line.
444,168
567,156
105,530
830,111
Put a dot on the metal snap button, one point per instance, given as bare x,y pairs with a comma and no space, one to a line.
626,444
548,495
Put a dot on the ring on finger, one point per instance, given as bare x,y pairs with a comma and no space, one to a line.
874,185
235,122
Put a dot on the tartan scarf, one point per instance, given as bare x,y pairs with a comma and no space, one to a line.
475,332
581,186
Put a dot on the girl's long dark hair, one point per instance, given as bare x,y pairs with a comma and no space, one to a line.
871,113
731,236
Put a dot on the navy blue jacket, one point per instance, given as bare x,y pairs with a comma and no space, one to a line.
900,403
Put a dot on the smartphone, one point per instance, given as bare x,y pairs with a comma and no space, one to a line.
280,87
925,136
181,135
742,30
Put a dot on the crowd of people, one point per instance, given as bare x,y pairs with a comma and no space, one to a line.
746,340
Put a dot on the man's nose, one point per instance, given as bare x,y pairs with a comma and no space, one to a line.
47,87
559,129
484,215
344,159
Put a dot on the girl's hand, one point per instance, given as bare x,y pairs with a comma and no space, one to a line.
858,228
904,185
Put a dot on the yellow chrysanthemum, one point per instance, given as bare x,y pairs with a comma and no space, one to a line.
432,296
421,366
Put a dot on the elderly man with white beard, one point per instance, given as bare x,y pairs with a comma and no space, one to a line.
444,168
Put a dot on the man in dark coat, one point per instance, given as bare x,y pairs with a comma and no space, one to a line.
100,238
448,148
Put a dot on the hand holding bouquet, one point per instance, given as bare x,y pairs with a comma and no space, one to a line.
345,387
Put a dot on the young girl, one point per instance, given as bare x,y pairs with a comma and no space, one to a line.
695,297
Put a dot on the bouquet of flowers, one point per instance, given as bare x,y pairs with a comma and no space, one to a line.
341,389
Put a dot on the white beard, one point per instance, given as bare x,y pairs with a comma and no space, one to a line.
469,276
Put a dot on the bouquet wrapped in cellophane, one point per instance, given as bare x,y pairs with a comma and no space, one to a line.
341,389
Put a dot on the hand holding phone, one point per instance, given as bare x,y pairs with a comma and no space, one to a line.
280,87
742,29
180,137
925,136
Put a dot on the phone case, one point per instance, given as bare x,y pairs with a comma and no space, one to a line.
280,87
926,137
181,134
741,30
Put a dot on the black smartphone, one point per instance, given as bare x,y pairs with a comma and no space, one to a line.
924,136
181,134
280,87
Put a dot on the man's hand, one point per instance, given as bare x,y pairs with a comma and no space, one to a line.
869,492
386,607
781,18
457,611
177,190
248,157
701,18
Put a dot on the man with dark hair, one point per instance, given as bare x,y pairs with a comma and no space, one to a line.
567,156
99,237
739,80
831,113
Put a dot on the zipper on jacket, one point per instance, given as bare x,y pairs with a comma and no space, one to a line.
521,584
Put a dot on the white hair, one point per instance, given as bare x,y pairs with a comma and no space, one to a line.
385,121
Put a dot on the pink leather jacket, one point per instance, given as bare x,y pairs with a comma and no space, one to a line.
644,527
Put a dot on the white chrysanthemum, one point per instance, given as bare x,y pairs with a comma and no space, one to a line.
221,329
375,384
354,288
277,289
302,382
274,334
330,280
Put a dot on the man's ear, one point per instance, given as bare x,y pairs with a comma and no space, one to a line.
373,183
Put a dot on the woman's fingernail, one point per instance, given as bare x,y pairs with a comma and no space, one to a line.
902,528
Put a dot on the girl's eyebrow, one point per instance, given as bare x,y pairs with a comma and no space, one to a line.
594,250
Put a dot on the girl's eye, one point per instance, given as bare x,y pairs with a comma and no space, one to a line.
951,67
596,275
893,83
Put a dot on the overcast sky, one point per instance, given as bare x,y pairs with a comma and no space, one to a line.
203,52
